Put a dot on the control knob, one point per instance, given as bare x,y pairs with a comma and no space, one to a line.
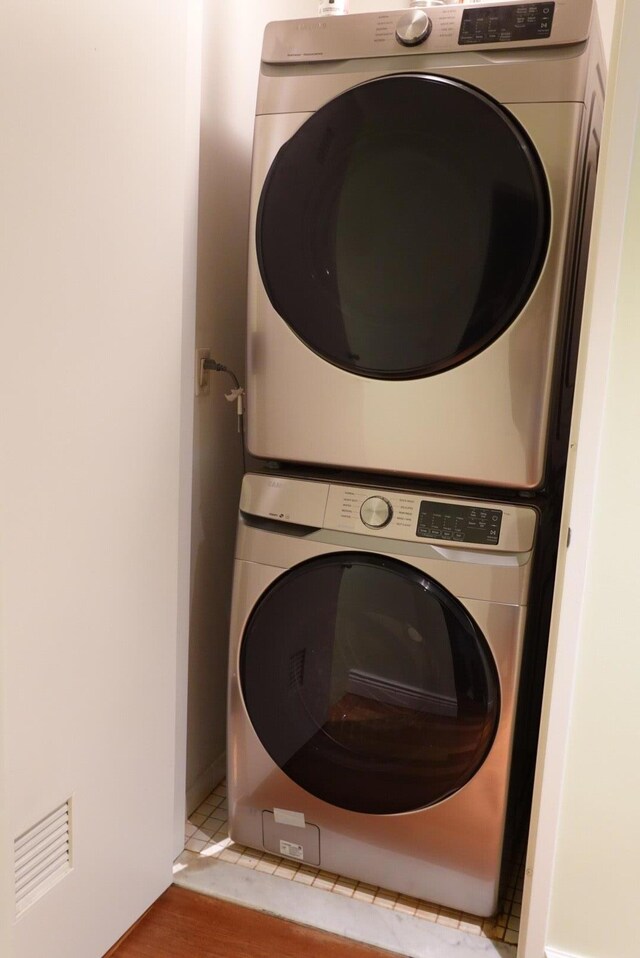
376,512
413,28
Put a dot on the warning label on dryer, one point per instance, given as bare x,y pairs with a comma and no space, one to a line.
291,850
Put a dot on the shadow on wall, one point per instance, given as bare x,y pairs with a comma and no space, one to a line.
230,66
229,80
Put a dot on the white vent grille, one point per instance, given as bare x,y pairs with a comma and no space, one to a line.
42,856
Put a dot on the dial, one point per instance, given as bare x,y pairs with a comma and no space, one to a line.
376,512
413,28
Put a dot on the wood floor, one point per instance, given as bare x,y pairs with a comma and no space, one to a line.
183,924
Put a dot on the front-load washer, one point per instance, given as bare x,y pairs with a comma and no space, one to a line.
376,640
415,216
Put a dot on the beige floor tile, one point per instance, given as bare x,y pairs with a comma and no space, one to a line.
471,924
365,893
270,857
201,835
210,828
286,870
340,888
511,937
324,880
195,844
449,917
427,911
491,929
406,905
306,876
229,855
345,880
386,899
213,850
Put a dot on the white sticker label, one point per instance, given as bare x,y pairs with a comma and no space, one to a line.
283,816
291,850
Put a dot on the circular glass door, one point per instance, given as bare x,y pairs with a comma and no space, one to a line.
368,683
403,227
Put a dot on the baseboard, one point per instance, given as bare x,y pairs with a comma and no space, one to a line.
554,953
206,782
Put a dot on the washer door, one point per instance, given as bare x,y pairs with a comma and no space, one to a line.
403,227
368,683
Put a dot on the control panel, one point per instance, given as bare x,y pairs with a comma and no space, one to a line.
456,523
411,517
389,513
401,516
449,28
504,24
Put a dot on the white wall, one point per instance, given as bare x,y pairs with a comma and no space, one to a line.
606,14
97,153
231,59
594,903
193,86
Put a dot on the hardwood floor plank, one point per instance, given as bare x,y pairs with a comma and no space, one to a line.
184,924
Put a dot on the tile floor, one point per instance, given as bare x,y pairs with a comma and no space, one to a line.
207,835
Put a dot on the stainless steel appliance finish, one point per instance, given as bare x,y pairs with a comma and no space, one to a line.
410,284
373,679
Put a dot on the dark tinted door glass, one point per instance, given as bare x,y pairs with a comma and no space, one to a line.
369,684
403,226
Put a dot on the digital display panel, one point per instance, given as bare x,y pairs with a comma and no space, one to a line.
457,523
527,21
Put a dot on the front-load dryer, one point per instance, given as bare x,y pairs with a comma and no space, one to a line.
414,217
376,640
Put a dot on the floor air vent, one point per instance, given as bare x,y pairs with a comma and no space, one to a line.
42,856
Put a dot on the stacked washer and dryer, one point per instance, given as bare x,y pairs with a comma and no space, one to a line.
421,193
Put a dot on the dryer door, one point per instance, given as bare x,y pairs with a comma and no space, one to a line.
403,227
368,683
